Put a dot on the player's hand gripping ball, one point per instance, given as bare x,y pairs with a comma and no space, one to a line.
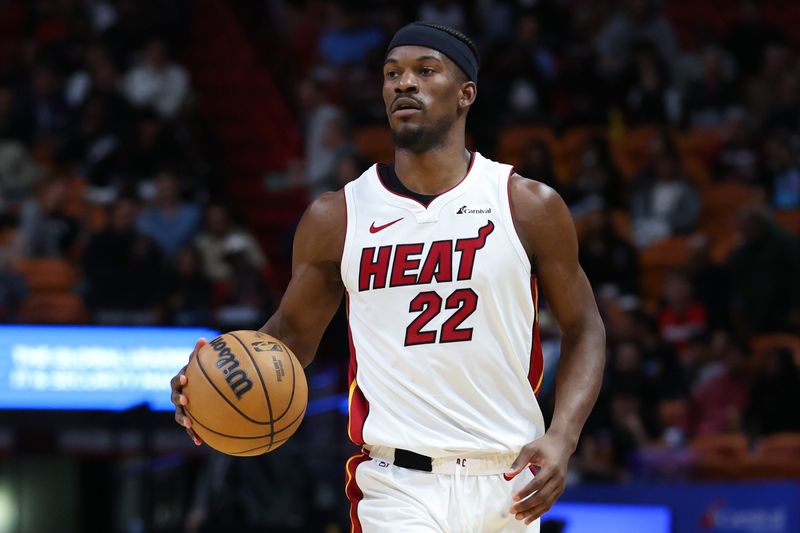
246,393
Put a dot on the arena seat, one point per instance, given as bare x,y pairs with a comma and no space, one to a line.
762,343
513,140
632,151
721,205
659,258
789,219
730,445
697,171
621,220
47,274
53,308
785,444
703,142
671,412
375,143
719,457
8,236
776,457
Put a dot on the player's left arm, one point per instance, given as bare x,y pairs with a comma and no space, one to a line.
547,231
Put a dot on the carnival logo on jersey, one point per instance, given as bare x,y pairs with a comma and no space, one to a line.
465,210
399,264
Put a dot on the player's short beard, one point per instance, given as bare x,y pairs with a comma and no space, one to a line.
421,138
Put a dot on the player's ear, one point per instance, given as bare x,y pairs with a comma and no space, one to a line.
467,94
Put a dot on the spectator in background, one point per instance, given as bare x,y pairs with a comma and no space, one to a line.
347,41
13,125
775,395
98,73
531,69
748,39
710,281
211,244
717,405
648,97
706,99
763,92
537,163
13,287
738,159
609,260
154,147
581,95
660,362
190,291
124,270
243,300
630,404
663,202
783,171
318,117
251,494
445,12
637,21
682,316
349,165
784,111
100,80
95,149
43,105
624,418
597,177
765,287
18,172
45,229
156,82
169,221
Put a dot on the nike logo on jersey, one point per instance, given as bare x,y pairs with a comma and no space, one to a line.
375,229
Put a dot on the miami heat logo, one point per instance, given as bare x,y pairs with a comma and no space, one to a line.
399,264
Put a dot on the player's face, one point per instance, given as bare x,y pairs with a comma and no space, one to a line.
423,95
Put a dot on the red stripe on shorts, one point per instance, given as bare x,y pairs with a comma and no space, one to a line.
352,490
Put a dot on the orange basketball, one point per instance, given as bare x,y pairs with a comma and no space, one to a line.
247,393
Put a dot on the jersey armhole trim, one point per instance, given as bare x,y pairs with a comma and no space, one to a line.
507,209
350,228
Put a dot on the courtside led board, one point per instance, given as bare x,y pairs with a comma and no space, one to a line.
92,367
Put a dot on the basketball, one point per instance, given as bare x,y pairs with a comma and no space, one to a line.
247,393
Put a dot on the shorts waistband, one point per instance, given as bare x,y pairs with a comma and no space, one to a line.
474,465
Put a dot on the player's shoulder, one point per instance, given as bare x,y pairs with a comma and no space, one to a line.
533,199
328,209
320,234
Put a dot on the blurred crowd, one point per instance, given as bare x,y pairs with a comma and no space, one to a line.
646,117
106,163
673,133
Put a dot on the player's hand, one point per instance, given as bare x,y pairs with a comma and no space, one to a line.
179,400
550,455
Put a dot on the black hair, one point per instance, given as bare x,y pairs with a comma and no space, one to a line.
458,35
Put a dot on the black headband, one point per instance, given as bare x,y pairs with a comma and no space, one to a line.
416,34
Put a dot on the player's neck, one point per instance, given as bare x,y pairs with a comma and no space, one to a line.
434,171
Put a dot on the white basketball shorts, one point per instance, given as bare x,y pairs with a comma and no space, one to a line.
459,495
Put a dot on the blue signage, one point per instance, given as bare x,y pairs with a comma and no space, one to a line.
609,517
709,507
93,368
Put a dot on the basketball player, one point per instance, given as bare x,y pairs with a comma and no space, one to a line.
441,256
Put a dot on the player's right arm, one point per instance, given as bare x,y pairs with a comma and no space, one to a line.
315,290
313,294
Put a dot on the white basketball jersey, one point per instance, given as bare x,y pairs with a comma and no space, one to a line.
445,352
